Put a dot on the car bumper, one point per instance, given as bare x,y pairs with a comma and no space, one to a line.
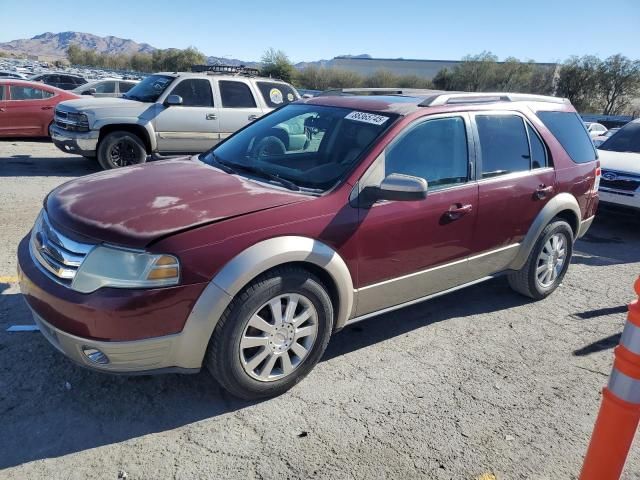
624,199
81,143
137,331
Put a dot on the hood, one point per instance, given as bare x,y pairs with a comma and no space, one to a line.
96,103
627,162
136,205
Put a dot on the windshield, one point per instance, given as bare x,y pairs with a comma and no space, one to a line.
627,139
310,146
149,89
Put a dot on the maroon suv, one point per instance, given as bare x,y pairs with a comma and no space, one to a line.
248,257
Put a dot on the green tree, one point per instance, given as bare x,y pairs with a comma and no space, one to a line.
578,80
276,64
619,82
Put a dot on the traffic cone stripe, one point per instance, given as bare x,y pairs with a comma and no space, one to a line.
631,337
624,387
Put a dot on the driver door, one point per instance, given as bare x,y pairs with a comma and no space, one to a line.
410,249
192,127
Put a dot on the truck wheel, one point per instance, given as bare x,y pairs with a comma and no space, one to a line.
120,149
272,334
547,262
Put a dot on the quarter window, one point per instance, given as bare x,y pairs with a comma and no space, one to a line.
569,130
276,94
503,143
538,150
236,95
435,150
28,93
195,92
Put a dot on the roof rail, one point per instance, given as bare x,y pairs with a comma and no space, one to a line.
228,69
458,98
333,92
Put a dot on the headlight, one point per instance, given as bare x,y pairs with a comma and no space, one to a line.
75,122
107,266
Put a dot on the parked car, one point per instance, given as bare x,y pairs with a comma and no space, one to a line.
595,129
620,160
167,113
106,88
246,259
26,108
599,140
63,81
7,74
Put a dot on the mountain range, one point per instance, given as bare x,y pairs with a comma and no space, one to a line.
53,46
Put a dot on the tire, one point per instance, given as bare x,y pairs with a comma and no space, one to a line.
239,368
539,277
120,149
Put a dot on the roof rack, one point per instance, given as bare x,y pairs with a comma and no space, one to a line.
458,98
226,69
333,92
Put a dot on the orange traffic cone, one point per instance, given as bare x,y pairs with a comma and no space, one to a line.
620,410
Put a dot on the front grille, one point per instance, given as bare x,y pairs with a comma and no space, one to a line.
626,182
70,121
57,254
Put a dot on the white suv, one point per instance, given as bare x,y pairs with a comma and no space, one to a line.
167,113
620,163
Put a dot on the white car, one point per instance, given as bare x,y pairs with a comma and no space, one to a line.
595,129
620,164
172,113
109,87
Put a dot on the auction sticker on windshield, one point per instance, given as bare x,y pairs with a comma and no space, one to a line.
365,117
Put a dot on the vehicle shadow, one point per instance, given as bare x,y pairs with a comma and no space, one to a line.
30,166
50,407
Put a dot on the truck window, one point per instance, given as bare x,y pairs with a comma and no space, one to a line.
236,95
277,94
195,92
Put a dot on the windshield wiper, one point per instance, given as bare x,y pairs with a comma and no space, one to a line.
230,167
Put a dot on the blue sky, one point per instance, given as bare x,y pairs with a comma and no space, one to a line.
542,30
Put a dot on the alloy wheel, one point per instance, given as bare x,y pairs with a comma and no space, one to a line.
551,260
278,337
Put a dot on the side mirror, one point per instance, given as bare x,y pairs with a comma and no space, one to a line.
91,91
398,187
173,100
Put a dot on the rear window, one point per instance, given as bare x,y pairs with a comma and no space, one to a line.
627,139
276,94
569,130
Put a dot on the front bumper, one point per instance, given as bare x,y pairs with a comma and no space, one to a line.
139,331
81,143
625,199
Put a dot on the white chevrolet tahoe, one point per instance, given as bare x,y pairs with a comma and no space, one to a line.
620,163
168,113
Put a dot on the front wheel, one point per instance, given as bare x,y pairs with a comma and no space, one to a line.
121,149
547,263
272,334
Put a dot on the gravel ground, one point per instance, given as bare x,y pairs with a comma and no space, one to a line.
479,382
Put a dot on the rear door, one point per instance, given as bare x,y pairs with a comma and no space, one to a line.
28,110
5,123
515,182
408,250
193,126
238,105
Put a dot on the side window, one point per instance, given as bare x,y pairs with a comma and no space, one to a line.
276,94
569,130
538,150
1,92
236,95
503,143
195,92
125,86
106,87
27,93
435,150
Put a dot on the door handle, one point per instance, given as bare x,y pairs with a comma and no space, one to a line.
252,117
457,210
542,191
2,110
210,116
46,107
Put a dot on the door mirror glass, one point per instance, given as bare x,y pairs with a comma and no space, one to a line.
173,100
401,187
90,91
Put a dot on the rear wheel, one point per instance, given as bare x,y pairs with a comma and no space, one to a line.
272,334
547,263
121,149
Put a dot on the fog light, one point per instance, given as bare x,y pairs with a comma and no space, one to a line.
95,355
